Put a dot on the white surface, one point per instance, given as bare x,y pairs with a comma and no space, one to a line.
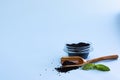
33,34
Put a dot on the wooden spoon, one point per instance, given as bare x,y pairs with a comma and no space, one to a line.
80,61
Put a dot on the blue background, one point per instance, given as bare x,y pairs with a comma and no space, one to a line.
33,34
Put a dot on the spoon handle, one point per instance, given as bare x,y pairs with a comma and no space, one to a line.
103,58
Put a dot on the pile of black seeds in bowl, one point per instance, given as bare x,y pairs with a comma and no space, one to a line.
81,44
66,69
81,49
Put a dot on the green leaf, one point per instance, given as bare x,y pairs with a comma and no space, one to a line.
102,67
91,66
88,66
